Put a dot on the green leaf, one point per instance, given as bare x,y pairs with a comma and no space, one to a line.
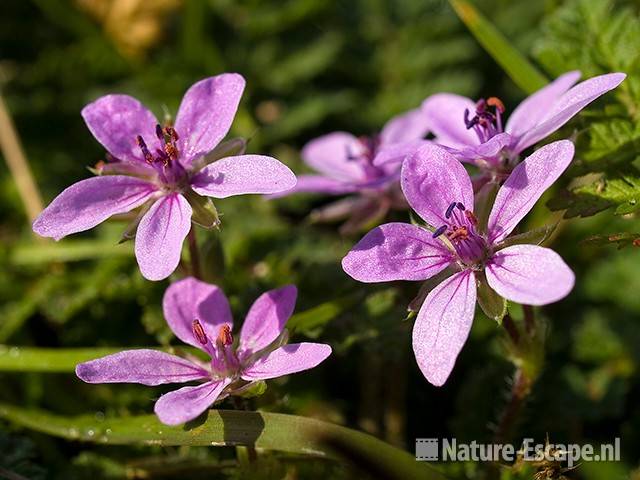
67,251
271,431
621,192
521,71
52,360
493,305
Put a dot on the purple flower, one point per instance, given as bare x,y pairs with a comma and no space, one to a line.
199,314
348,164
476,132
164,169
439,189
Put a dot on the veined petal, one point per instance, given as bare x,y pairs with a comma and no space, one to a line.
287,359
206,114
187,403
116,121
190,299
330,155
406,127
534,108
526,184
148,367
89,202
266,319
396,251
443,324
445,116
242,175
160,235
529,274
431,180
569,105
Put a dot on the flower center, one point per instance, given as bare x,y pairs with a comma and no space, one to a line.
224,361
164,158
461,232
487,121
365,153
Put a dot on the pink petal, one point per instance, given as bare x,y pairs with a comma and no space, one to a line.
488,151
242,175
526,184
288,359
534,108
445,115
329,155
406,127
160,235
266,319
187,403
443,324
396,251
190,299
397,152
529,274
148,367
431,180
89,202
116,121
320,184
206,114
569,105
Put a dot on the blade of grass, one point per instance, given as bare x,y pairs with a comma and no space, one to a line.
519,69
270,431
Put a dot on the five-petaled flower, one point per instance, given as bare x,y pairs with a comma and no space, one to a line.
476,132
163,168
199,314
439,189
348,164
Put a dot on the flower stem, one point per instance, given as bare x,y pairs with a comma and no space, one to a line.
194,253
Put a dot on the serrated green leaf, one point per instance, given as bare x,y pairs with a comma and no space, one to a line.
521,71
271,431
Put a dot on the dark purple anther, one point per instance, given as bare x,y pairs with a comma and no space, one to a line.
460,206
449,211
439,231
143,147
159,132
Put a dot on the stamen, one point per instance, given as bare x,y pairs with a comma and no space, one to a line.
224,336
171,132
471,217
496,103
449,211
439,231
461,233
460,206
159,132
199,333
145,151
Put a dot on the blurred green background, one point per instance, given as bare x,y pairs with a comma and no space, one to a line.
312,66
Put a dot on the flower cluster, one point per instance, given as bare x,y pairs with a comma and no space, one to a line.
166,171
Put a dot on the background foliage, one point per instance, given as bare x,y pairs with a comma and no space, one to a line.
314,66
